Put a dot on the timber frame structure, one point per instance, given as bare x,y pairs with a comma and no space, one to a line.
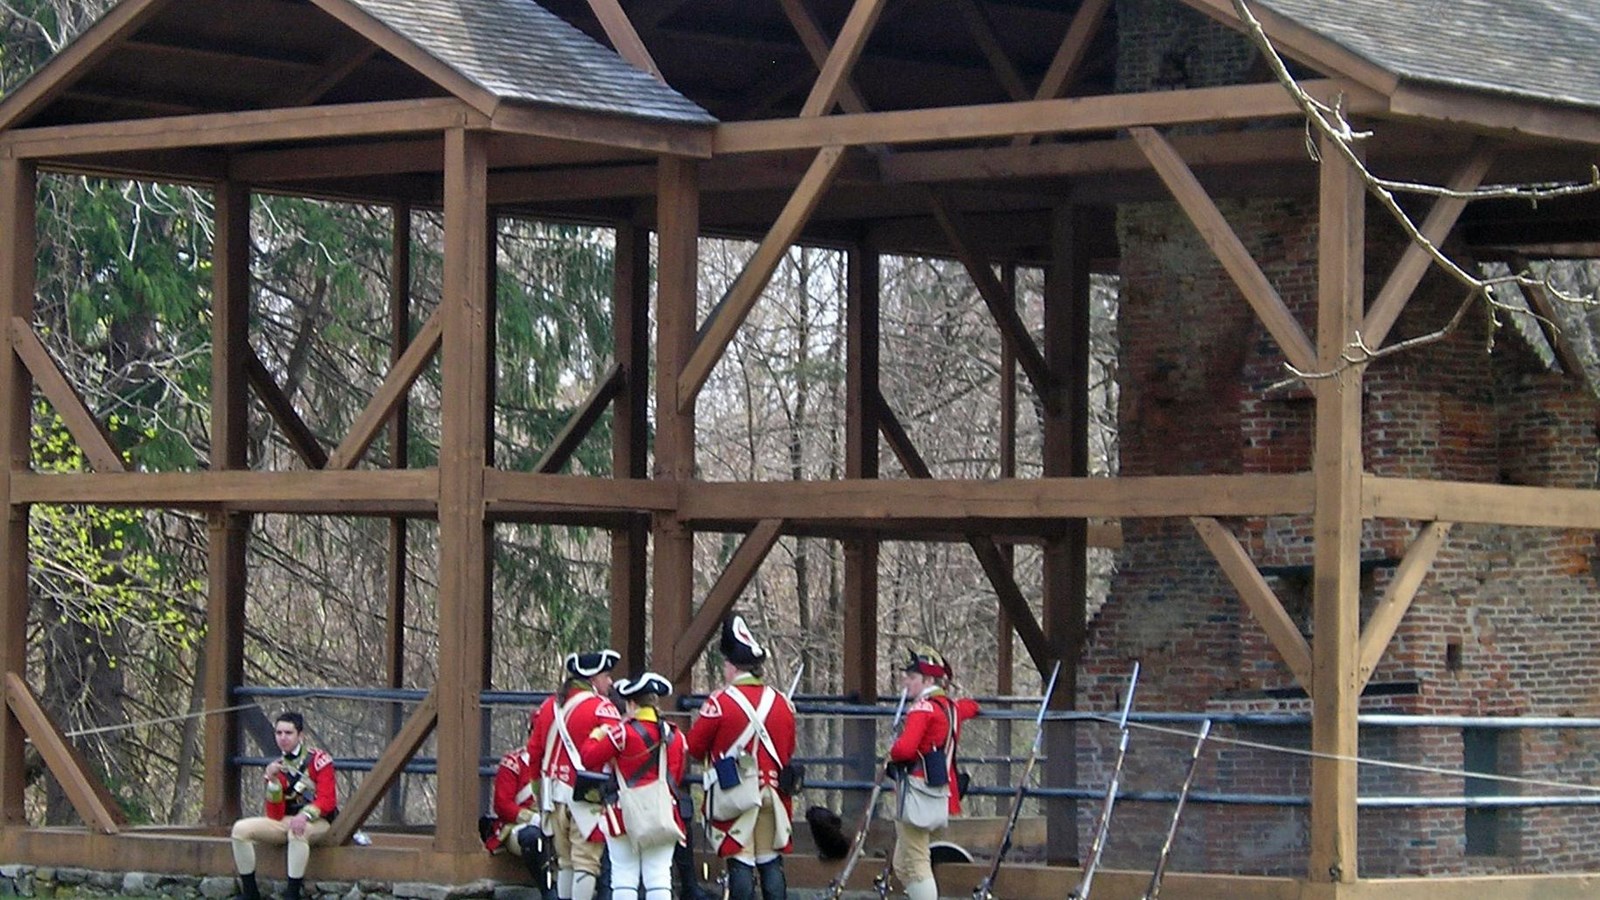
935,133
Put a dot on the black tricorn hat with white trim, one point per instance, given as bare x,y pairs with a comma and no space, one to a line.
588,665
738,645
646,683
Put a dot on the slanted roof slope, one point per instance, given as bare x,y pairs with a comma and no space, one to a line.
520,51
1539,49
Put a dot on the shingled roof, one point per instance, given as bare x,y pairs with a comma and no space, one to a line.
1538,49
518,50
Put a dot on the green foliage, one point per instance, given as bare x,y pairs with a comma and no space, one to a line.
98,563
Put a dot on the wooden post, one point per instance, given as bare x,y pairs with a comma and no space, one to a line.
677,268
399,450
630,430
18,240
1004,633
227,534
463,527
859,623
1066,453
1336,525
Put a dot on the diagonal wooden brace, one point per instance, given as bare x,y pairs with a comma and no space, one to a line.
295,430
95,805
1229,250
730,584
582,421
1258,597
394,388
735,306
99,448
994,563
1391,609
353,812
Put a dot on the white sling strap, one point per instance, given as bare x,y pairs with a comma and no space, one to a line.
758,721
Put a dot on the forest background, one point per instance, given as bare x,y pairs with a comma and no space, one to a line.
118,596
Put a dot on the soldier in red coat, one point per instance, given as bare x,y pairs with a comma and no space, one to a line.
572,797
745,734
650,752
301,800
927,740
514,825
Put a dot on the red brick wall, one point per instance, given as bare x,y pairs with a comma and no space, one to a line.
1202,392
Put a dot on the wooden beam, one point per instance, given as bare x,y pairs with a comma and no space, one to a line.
18,264
98,446
199,490
1396,600
1229,250
233,128
364,430
1336,525
1306,45
818,47
735,577
94,45
1074,115
630,440
842,58
509,491
624,39
1514,116
982,31
994,563
227,534
859,615
464,532
1258,597
398,546
672,138
581,422
1416,260
1013,332
353,812
1112,157
464,89
300,436
94,804
735,306
1064,66
339,66
1479,503
677,270
955,500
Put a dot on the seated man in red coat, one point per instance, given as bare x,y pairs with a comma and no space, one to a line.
514,825
745,736
301,801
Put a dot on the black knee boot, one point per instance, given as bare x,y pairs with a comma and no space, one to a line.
292,892
248,889
773,885
741,881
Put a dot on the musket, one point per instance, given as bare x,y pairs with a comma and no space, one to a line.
794,683
1098,846
1154,890
836,886
985,888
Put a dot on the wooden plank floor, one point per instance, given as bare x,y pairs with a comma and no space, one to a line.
406,857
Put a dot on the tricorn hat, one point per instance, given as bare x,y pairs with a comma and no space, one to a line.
588,665
738,645
646,683
925,660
